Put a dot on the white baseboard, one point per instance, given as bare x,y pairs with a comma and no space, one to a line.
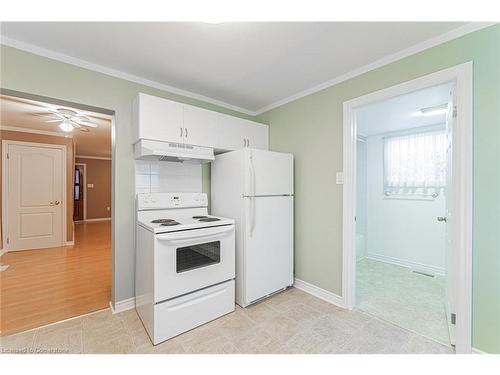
3,252
70,243
316,291
477,351
124,305
98,219
406,263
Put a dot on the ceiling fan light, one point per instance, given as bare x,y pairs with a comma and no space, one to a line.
66,126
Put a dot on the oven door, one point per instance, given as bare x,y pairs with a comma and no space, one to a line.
189,260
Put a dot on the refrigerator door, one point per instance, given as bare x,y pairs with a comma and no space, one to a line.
268,173
268,247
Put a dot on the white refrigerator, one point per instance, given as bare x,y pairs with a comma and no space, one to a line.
255,188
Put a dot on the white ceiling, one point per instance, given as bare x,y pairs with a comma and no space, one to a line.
30,114
247,65
402,112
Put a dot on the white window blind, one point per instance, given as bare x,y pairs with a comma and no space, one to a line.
415,161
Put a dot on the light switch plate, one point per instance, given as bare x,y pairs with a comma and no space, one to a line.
339,178
90,186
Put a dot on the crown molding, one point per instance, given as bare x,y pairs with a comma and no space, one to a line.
419,47
91,157
35,131
28,47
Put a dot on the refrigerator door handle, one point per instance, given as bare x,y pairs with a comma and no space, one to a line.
252,193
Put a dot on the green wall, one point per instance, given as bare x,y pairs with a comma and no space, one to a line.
26,72
311,128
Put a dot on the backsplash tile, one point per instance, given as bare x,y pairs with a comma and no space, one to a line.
167,177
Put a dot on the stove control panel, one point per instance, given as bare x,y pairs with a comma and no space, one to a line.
153,201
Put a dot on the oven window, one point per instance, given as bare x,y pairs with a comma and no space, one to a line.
196,256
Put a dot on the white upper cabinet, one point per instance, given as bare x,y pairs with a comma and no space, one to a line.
165,120
236,133
158,119
256,135
231,133
200,126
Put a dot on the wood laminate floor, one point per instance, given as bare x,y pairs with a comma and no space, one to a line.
43,286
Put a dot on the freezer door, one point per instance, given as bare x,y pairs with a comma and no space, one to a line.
268,173
268,263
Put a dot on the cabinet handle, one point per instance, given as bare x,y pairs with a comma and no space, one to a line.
248,142
186,132
244,142
181,132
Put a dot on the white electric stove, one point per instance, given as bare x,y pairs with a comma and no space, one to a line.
185,263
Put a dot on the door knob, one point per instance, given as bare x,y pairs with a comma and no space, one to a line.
56,203
441,218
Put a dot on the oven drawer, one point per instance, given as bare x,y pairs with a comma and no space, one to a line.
181,314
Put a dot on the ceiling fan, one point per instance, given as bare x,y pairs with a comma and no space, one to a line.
70,120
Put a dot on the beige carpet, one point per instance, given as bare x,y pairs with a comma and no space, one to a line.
400,296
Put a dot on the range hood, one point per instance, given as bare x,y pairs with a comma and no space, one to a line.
146,149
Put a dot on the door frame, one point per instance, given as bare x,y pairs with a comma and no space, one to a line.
462,188
5,192
84,192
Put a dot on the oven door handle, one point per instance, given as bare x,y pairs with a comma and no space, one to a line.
192,234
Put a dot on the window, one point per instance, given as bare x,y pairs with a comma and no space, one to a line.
415,162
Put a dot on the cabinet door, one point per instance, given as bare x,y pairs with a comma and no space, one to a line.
257,135
200,126
231,133
159,119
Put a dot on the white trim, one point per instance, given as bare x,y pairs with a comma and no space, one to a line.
91,157
70,243
3,252
28,47
123,305
84,192
316,291
477,351
462,185
450,35
63,148
416,266
419,47
98,219
35,131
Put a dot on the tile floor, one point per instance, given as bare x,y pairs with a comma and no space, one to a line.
407,299
289,322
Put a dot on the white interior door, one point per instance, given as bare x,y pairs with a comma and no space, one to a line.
34,201
450,259
268,246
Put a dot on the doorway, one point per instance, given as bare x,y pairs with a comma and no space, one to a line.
374,266
401,263
57,262
79,193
